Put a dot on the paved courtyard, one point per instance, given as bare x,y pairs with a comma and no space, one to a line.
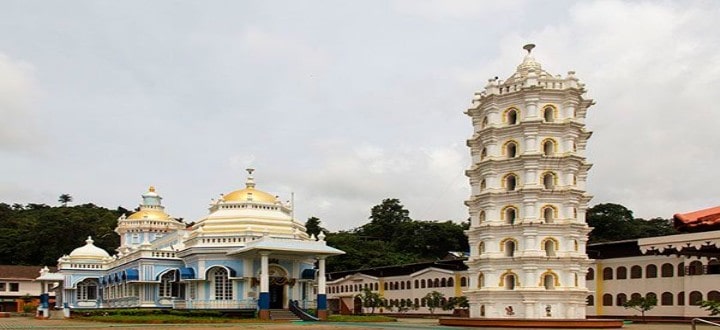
31,323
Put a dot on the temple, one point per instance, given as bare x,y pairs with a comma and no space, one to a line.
248,253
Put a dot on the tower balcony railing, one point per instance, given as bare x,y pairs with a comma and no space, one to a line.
122,302
215,304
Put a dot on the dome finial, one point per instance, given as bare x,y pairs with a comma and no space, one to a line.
250,183
152,189
529,48
89,240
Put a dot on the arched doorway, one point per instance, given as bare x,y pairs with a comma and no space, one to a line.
278,283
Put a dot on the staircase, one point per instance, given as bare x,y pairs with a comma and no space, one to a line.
282,315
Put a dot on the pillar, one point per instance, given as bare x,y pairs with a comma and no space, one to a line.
322,311
264,302
43,310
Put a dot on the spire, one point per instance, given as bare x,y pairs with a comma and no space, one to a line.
89,240
250,183
528,64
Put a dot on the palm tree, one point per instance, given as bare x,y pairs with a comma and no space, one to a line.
64,199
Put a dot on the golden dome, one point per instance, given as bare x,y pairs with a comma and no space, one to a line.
249,194
149,215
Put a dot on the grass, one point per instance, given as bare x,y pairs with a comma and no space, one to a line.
163,319
361,318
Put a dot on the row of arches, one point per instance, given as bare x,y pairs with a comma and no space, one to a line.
511,181
441,282
511,149
509,214
512,116
666,298
509,280
695,267
509,246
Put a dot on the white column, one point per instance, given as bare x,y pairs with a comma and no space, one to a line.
321,275
264,278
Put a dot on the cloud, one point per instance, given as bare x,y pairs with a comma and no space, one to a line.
652,68
346,182
19,126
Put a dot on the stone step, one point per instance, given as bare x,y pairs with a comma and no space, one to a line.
281,314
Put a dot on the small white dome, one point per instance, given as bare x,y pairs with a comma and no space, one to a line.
89,251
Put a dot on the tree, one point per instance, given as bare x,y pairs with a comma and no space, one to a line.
64,199
312,226
434,300
456,303
370,299
385,220
614,222
641,304
711,306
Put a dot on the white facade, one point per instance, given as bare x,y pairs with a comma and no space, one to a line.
528,233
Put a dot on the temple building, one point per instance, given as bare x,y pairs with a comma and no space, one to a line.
528,233
248,253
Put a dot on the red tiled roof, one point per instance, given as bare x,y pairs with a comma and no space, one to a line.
21,272
702,220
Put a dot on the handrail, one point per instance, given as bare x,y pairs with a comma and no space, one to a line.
301,313
697,319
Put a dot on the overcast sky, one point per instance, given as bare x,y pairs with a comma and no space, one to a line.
344,103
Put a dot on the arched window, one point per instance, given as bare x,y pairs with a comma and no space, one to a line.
651,295
650,271
481,280
509,246
681,270
636,272
483,153
681,298
549,246
482,310
549,280
510,214
422,283
481,247
436,283
484,122
481,217
168,282
635,296
463,281
450,282
402,285
549,180
443,283
417,302
607,299
549,213
590,276
385,286
695,268
549,114
713,295
510,182
621,273
87,289
511,149
695,298
511,116
483,184
666,270
221,284
510,282
417,286
666,299
607,273
549,147
590,300
620,299
713,267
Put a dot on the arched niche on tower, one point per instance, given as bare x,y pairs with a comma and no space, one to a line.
511,116
509,247
549,113
549,280
549,213
550,246
509,280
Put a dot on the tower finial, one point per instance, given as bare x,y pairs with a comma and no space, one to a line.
250,183
529,48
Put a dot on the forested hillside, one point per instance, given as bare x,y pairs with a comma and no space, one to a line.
38,234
